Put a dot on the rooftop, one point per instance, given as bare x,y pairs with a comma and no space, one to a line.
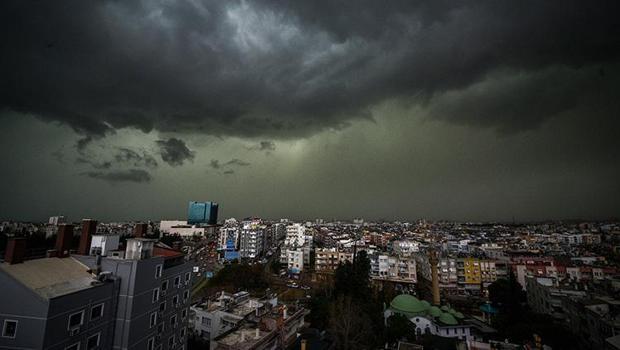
51,277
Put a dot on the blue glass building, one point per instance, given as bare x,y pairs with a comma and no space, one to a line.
202,213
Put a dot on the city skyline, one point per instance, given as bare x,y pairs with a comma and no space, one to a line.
437,110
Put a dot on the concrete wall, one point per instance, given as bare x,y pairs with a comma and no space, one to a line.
57,334
28,308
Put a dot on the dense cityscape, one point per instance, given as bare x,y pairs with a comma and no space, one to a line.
309,175
205,283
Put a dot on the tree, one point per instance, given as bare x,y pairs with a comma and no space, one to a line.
399,327
350,326
507,294
351,278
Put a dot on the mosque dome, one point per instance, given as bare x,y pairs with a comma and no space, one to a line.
434,311
448,319
407,304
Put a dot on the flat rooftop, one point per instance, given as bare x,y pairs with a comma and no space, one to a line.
51,277
249,339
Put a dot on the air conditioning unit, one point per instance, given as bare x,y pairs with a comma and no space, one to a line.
74,331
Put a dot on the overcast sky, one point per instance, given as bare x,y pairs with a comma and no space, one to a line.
486,110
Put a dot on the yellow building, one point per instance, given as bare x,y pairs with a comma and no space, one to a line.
472,271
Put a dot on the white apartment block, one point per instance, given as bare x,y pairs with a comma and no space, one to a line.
251,239
393,268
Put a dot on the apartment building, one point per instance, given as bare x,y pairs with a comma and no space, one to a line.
135,298
393,268
297,247
251,239
328,259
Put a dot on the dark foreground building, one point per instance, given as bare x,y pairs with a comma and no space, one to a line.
136,298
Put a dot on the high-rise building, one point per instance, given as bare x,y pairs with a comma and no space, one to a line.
297,246
251,239
202,213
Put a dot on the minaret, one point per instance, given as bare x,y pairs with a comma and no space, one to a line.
434,275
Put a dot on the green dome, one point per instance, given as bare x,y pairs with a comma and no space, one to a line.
445,308
408,304
448,319
434,311
459,315
426,304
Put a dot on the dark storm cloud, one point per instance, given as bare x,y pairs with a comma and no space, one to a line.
126,155
264,146
174,151
95,164
288,69
237,162
215,164
131,175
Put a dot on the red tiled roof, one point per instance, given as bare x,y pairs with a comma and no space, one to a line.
165,252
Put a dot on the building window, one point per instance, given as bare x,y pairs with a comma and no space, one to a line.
96,312
155,294
158,270
153,320
164,286
75,346
173,320
171,341
184,313
175,299
206,321
150,344
162,306
160,328
182,332
93,341
186,295
76,320
188,276
177,281
9,330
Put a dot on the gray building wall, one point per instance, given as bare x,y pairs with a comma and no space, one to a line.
135,301
29,309
57,333
43,323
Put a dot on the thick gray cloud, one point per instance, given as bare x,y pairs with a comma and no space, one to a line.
237,162
266,146
128,156
440,109
132,175
285,69
174,151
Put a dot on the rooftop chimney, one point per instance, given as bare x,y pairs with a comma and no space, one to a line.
140,230
89,227
15,250
63,240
